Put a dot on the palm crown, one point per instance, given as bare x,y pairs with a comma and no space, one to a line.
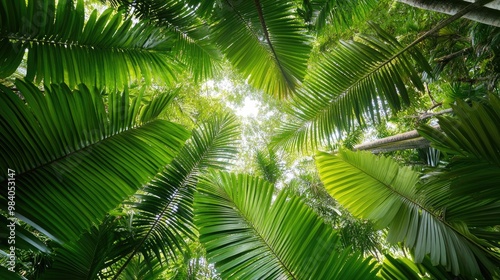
107,186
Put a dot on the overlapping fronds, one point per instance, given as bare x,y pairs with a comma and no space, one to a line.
403,268
358,80
268,165
264,42
141,268
63,46
24,238
165,212
88,257
377,188
249,234
192,43
339,13
473,136
76,157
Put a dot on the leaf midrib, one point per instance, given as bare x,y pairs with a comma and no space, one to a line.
434,215
193,172
400,52
83,149
260,237
263,23
75,43
266,35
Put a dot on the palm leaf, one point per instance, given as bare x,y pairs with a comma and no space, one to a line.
356,81
88,257
75,157
139,268
165,212
477,211
377,188
64,47
268,165
468,185
339,13
204,8
474,138
24,239
403,268
249,234
264,42
192,43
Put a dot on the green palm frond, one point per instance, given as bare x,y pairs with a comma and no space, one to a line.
192,43
24,238
249,234
88,257
141,268
404,268
62,46
204,8
165,212
399,268
468,185
377,188
76,157
473,136
264,42
359,80
268,165
339,13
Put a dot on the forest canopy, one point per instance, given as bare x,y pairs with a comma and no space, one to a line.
315,139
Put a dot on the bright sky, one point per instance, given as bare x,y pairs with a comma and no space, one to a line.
250,108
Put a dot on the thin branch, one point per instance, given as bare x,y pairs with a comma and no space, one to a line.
426,115
427,34
447,58
428,91
139,245
445,22
436,105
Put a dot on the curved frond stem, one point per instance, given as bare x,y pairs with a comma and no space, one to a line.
324,107
103,50
244,226
264,241
377,188
138,247
434,213
258,6
192,42
211,143
264,42
356,81
64,157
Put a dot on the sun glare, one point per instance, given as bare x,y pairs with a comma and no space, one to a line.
250,108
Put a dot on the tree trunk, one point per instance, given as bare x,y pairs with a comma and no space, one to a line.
403,141
488,14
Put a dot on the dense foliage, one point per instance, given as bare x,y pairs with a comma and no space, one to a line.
126,153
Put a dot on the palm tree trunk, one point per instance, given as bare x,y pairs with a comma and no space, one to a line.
403,141
488,14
